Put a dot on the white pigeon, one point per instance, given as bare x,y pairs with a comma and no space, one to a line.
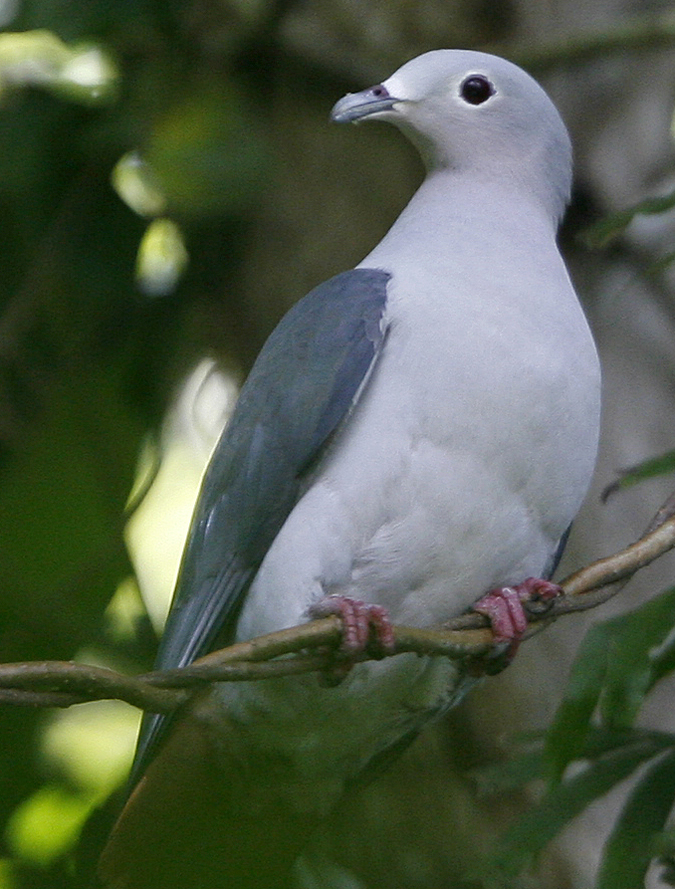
416,433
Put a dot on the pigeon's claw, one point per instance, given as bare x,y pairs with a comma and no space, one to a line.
365,627
506,609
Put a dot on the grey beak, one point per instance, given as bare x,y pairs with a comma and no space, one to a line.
356,106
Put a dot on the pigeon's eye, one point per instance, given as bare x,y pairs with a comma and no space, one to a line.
476,89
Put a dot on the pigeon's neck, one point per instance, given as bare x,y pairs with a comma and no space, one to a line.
451,212
495,202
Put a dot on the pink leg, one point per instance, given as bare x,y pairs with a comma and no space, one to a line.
363,624
504,608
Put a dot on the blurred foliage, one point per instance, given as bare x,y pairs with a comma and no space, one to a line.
101,315
593,745
606,230
83,73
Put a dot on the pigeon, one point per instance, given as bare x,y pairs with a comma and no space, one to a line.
414,439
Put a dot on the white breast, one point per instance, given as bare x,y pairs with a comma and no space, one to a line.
468,453
462,464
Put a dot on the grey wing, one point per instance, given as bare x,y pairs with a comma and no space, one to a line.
554,561
301,387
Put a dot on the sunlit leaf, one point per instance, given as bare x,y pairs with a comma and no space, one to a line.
31,57
92,744
162,258
124,612
134,182
81,73
48,824
89,76
156,531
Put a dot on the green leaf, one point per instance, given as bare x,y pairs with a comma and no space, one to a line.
602,740
630,671
630,848
660,465
47,825
510,775
663,844
663,661
572,722
617,665
518,847
606,230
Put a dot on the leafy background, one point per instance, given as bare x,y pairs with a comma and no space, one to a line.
169,185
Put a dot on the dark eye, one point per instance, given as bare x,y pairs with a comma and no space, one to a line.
476,89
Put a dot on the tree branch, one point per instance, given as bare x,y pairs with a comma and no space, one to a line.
307,648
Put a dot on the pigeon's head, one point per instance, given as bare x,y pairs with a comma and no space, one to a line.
473,112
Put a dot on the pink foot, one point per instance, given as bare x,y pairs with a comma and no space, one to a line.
363,624
504,608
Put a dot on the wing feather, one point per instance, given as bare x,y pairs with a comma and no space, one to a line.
302,386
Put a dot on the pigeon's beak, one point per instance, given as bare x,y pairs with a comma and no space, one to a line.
356,106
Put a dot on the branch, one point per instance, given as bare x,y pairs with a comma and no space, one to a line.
307,648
